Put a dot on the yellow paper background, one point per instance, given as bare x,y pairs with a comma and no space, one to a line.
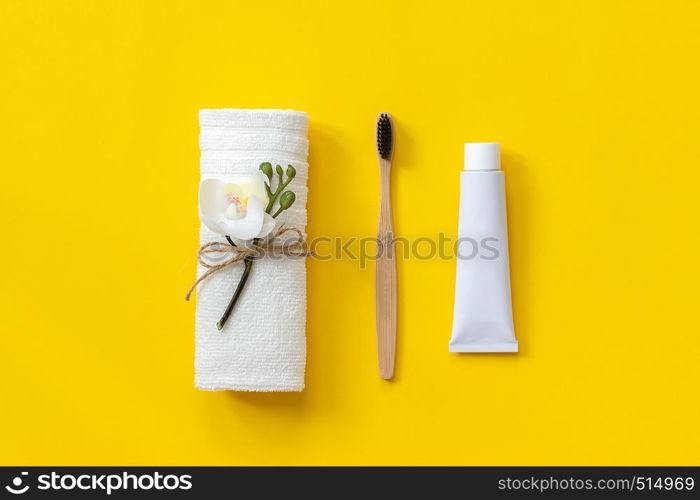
597,109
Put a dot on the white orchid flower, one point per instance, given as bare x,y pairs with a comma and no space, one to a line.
235,207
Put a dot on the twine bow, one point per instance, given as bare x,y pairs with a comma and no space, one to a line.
294,247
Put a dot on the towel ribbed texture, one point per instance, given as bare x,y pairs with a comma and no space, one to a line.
263,344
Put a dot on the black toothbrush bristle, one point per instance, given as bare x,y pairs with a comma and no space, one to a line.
384,136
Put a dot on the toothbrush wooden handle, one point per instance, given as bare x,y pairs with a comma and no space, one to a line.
386,280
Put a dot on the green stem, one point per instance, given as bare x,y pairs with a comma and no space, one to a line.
239,289
276,194
248,261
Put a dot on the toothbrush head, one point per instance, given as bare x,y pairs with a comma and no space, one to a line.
384,136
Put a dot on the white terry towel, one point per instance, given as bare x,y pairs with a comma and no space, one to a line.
263,345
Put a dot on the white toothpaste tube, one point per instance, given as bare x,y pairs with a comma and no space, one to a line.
483,317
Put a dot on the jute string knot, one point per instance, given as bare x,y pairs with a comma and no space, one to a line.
271,246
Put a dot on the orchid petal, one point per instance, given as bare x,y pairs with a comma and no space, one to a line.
212,225
211,202
267,227
254,184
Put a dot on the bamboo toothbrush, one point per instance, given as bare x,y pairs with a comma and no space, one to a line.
386,263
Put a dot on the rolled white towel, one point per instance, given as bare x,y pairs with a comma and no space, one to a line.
263,344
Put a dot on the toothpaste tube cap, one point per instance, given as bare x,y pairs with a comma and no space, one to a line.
482,156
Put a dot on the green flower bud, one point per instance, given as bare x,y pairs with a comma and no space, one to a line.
278,168
291,172
266,169
287,199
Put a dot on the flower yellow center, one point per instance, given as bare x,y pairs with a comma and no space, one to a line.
237,208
